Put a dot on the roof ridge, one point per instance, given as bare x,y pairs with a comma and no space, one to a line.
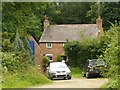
70,24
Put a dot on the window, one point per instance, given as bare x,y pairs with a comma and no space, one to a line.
63,44
50,56
48,45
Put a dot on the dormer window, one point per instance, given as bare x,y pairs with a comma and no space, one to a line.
48,45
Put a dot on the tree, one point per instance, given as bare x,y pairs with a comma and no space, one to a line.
109,11
70,13
15,16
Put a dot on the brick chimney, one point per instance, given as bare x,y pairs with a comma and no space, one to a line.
99,23
46,22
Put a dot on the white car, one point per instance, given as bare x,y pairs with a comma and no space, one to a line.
58,70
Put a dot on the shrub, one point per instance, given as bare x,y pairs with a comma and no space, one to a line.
112,83
45,61
15,62
58,58
110,56
79,52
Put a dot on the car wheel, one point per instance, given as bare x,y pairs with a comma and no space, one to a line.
84,74
48,76
69,77
51,78
64,78
87,75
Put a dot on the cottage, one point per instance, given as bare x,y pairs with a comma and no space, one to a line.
55,36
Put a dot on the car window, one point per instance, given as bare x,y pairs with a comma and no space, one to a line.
92,62
56,65
100,63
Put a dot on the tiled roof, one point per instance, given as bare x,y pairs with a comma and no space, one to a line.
70,32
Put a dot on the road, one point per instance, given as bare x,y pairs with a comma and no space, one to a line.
76,83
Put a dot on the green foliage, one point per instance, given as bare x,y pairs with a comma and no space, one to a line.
69,13
76,72
45,61
22,80
112,83
109,11
6,45
58,58
79,52
16,17
110,56
6,41
15,62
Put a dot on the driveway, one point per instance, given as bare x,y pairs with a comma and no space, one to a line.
76,83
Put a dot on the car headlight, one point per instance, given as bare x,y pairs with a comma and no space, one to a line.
52,72
68,73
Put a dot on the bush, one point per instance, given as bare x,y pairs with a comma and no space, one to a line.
18,72
112,83
45,61
15,62
111,57
79,52
58,58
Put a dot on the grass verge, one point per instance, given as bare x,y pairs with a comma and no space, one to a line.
76,72
24,80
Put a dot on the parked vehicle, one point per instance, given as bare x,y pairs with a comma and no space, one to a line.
58,70
93,68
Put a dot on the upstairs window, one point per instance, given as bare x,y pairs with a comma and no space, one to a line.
48,45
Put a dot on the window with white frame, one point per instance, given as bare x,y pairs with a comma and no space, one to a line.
63,44
50,56
48,45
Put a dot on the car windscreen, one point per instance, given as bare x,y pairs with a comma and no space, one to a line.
97,63
58,66
100,63
92,62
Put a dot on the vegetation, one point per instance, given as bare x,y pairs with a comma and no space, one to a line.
79,52
103,48
110,56
76,72
107,10
59,58
18,66
112,83
46,61
19,73
23,80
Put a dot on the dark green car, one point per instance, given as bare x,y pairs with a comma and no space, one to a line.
93,68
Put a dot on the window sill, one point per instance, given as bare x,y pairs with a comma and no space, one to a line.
48,47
